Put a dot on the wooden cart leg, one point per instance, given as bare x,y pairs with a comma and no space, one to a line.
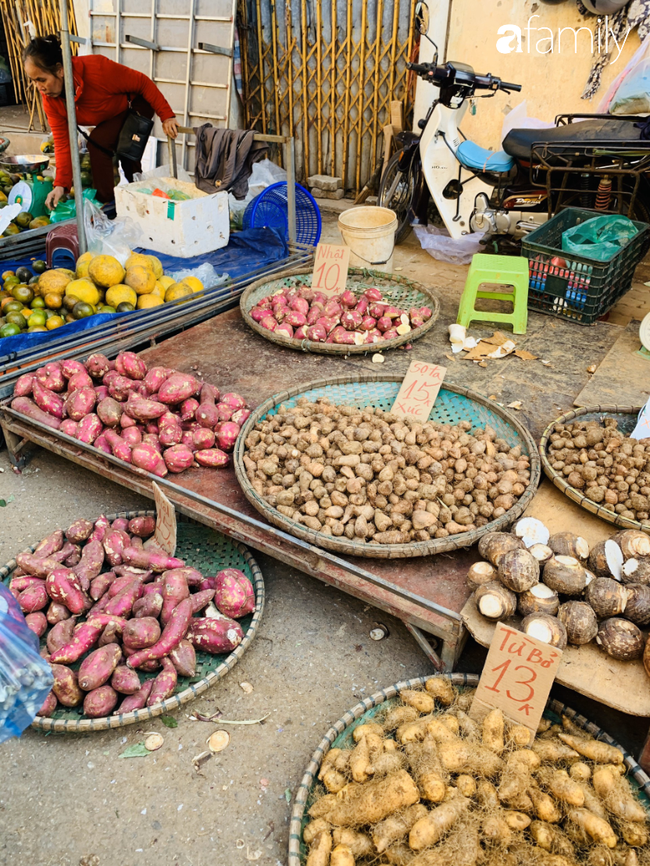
14,447
644,757
452,649
427,645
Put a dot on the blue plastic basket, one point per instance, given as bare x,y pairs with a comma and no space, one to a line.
270,210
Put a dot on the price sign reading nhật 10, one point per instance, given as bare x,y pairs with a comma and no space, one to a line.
330,269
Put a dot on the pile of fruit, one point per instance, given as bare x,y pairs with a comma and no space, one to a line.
24,221
49,299
100,595
151,419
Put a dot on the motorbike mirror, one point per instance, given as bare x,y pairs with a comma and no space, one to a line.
422,17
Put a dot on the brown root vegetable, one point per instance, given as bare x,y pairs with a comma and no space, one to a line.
427,770
518,570
596,828
646,657
341,856
399,716
430,829
422,701
620,639
580,772
569,544
312,830
441,689
579,620
546,628
637,609
636,570
395,827
495,830
495,601
565,575
633,543
460,756
494,545
544,806
598,560
538,599
634,833
594,750
493,730
320,850
562,787
481,573
369,803
551,839
606,596
553,751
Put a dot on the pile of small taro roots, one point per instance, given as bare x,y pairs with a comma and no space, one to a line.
425,785
101,596
566,592
302,313
605,465
373,477
159,420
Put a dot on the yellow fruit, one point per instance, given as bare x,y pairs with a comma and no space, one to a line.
178,290
53,300
120,294
140,278
138,259
83,262
159,290
166,281
54,322
53,281
106,271
156,265
71,274
145,302
194,283
84,290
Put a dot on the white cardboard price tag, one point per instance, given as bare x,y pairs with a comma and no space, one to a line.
642,429
419,390
165,534
330,269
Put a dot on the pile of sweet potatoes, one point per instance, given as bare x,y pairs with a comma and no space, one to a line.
159,420
102,596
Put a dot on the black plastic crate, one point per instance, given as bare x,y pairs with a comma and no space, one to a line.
576,287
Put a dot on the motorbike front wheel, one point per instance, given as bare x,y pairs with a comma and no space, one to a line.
397,192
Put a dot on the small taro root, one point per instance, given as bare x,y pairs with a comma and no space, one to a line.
637,609
620,639
541,552
636,570
494,545
633,543
607,597
569,544
495,602
579,620
546,628
518,570
480,573
565,575
538,599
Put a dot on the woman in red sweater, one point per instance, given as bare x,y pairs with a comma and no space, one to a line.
103,90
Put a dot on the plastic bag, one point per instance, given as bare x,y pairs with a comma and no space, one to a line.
164,171
438,244
518,119
600,238
205,272
25,678
641,55
66,210
117,238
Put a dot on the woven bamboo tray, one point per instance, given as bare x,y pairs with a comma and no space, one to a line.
453,404
626,416
206,550
398,290
340,736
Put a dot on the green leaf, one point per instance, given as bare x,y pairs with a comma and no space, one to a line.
287,795
3,503
169,721
137,750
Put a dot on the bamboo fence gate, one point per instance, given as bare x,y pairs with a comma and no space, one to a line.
325,73
46,19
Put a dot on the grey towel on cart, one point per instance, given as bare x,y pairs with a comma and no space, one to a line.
225,158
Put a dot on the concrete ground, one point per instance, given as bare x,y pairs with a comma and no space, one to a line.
70,799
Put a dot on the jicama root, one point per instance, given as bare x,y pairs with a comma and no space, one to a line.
395,827
616,796
369,803
597,829
430,829
595,750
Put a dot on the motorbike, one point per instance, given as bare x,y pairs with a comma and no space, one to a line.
592,161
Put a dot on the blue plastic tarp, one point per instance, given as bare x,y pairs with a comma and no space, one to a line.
247,251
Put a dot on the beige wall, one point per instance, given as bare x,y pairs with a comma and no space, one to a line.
552,83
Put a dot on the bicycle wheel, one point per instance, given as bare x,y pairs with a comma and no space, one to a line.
397,192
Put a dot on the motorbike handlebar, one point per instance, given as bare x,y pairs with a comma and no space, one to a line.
481,82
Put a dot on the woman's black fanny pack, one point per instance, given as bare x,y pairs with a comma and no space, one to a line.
133,137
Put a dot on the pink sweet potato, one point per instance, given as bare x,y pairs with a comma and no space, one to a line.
136,701
170,434
33,598
129,364
69,427
37,623
50,544
153,440
143,527
101,392
80,403
64,586
47,400
98,365
125,421
235,401
24,581
60,634
27,407
240,416
188,409
201,439
101,528
120,447
104,619
175,589
173,633
145,457
224,412
206,413
178,387
74,558
120,583
191,575
92,560
150,559
201,599
100,702
148,605
49,705
67,550
100,584
141,633
208,583
137,542
109,411
79,380
125,680
111,634
122,603
97,668
114,543
178,458
120,387
213,457
121,523
144,575
57,613
69,367
80,530
51,377
65,685
89,429
215,635
99,605
226,435
234,594
144,410
184,659
23,386
164,684
35,565
155,377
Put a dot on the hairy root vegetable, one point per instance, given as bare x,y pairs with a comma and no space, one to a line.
615,793
552,751
423,702
596,828
360,844
430,829
320,850
594,750
563,787
539,599
398,716
395,827
464,757
369,803
493,730
441,689
545,807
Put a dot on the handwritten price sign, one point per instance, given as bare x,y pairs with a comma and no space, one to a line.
165,535
517,678
419,391
330,269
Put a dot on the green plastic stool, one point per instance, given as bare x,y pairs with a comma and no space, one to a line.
506,270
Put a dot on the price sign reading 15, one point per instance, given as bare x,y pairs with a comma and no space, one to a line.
330,269
419,390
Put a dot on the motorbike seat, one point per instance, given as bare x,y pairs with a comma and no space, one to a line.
519,142
479,159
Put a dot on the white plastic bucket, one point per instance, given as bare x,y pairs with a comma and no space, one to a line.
370,234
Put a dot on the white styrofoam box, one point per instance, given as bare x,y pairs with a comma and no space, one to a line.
179,228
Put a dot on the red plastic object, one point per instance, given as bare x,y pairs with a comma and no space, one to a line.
160,193
63,236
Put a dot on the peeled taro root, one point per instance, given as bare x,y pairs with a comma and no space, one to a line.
538,599
495,602
546,628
